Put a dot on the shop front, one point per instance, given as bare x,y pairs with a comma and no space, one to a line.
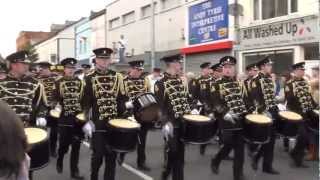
286,42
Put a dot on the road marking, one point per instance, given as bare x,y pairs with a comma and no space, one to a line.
137,172
127,166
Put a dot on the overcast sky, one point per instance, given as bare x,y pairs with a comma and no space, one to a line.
38,15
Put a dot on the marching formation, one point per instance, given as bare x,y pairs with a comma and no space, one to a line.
115,111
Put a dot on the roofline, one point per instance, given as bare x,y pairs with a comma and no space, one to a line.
56,33
97,14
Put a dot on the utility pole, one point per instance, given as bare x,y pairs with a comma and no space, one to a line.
152,34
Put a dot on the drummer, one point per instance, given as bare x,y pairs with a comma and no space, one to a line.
199,89
262,93
228,104
47,79
299,100
102,94
69,93
172,97
134,84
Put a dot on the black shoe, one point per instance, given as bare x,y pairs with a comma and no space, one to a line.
120,159
271,171
143,167
164,176
241,177
297,161
202,150
254,163
77,176
59,166
228,158
53,154
214,166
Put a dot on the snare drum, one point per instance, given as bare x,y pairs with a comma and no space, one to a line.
289,123
198,129
146,107
123,135
257,128
39,151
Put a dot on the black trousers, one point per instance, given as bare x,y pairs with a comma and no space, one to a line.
266,152
301,144
141,150
100,152
70,135
53,137
232,140
174,149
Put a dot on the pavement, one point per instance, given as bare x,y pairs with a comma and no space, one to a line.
197,167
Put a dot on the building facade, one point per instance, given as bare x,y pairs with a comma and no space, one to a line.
98,29
58,46
83,50
26,38
286,30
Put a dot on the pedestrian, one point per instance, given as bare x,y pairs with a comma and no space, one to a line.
14,162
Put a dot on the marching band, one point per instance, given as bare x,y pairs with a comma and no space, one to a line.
115,112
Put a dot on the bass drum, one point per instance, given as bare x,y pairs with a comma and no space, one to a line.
313,121
39,147
198,129
257,128
123,135
289,123
145,106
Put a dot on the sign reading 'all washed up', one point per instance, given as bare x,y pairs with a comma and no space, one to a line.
208,21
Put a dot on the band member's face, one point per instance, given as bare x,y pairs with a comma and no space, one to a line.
253,72
44,72
229,70
69,71
177,66
102,63
206,71
267,68
299,73
136,72
3,75
20,68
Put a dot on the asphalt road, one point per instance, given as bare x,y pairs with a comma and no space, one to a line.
196,166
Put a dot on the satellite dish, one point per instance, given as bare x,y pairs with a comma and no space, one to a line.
236,9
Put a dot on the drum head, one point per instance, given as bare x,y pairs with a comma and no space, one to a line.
54,113
316,111
35,135
258,119
291,116
124,123
81,117
196,118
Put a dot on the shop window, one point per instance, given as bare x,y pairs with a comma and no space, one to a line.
311,52
283,59
267,9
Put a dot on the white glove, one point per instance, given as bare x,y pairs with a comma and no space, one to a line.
41,122
167,130
199,103
88,129
282,107
195,112
229,117
211,116
129,105
131,118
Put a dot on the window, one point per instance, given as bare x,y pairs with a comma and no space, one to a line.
53,58
114,22
166,4
146,11
128,18
266,9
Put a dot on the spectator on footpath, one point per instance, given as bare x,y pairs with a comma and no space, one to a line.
14,162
